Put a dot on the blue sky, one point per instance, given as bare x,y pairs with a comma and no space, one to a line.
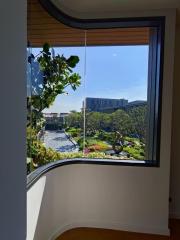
111,72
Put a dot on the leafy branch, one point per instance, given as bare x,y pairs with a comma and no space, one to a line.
54,76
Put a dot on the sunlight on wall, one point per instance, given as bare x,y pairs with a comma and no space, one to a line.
34,200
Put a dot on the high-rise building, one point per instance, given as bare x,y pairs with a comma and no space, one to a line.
104,104
110,105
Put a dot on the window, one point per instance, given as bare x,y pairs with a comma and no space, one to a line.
96,93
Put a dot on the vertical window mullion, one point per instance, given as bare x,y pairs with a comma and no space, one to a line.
151,95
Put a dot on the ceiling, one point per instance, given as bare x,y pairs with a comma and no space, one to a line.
97,8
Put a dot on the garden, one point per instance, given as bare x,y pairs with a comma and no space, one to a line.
121,134
117,135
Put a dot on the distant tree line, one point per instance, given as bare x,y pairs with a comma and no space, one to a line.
127,123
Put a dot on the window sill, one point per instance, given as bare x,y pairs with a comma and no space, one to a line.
36,174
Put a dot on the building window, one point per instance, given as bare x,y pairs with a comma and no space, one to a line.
96,94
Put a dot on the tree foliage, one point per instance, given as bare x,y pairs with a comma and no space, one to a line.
138,117
131,122
93,122
121,122
112,127
74,119
57,74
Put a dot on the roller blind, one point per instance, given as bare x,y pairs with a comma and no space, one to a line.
44,28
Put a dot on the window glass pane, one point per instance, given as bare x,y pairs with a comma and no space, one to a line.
116,101
54,90
57,124
92,100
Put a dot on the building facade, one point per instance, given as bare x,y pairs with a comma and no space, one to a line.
54,121
110,105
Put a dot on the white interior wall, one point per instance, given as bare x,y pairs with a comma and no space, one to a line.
13,43
126,198
90,9
34,201
87,9
12,119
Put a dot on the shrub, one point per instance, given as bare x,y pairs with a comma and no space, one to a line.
99,147
135,152
74,132
40,155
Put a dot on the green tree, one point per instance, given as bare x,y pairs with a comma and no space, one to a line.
120,127
105,122
93,122
57,75
138,117
121,122
74,119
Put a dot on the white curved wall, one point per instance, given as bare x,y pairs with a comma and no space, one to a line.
118,197
34,201
100,8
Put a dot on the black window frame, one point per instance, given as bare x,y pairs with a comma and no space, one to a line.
155,70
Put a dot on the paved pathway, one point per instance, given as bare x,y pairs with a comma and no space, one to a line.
59,141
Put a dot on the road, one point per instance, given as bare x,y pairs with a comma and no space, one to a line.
59,141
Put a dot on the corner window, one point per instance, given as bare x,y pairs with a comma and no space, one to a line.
95,93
